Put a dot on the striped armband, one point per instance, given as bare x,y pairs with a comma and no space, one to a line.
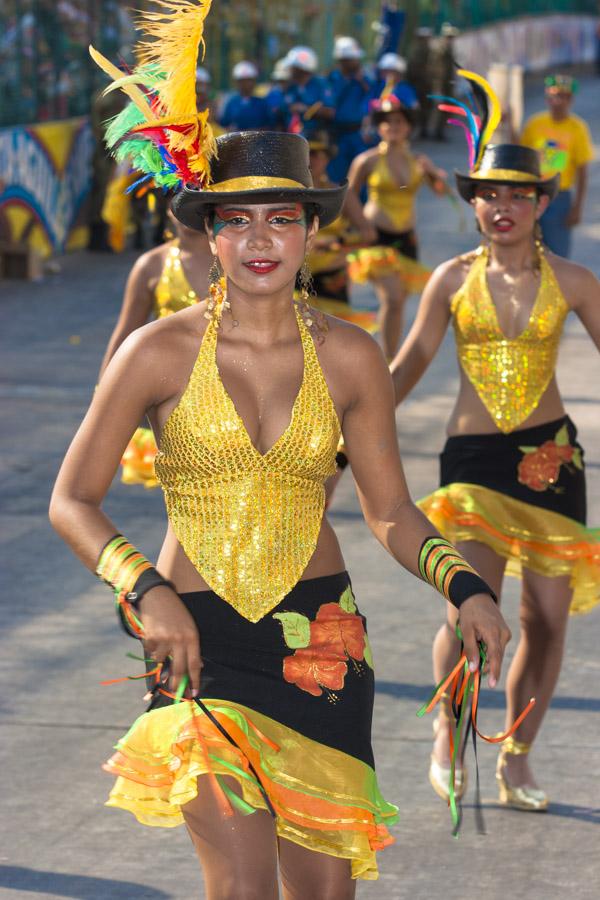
130,575
448,572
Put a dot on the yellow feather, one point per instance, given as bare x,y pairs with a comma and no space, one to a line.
495,110
134,93
387,88
177,33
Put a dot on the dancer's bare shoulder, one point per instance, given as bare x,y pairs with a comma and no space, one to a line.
363,164
350,358
156,360
578,284
449,277
148,267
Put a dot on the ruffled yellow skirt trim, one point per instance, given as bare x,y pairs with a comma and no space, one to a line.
526,535
372,263
138,459
324,799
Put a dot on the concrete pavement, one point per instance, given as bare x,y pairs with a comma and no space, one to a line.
59,636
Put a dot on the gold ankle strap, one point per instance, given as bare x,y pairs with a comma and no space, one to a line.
514,747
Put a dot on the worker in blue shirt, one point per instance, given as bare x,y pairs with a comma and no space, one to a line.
350,89
308,98
275,97
243,111
392,72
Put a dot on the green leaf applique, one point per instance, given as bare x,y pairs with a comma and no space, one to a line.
347,601
561,438
296,629
368,652
528,449
576,459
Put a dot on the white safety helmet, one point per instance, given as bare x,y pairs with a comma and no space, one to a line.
281,70
346,47
244,70
392,62
303,58
203,75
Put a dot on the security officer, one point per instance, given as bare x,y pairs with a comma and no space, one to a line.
243,111
350,89
392,69
308,97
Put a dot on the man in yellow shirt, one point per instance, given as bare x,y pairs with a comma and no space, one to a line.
564,143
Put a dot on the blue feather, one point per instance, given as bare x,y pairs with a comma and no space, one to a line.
472,123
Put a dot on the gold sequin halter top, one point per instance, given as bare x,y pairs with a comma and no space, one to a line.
173,291
249,522
510,375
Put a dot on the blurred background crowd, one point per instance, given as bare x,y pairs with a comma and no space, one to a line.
304,66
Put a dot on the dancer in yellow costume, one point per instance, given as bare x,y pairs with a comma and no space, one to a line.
159,284
512,489
263,747
327,261
392,176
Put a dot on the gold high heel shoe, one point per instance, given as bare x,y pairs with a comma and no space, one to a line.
525,798
439,775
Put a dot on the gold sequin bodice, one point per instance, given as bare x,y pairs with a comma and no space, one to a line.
249,522
509,375
396,201
173,291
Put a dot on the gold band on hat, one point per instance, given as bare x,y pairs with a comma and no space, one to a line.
254,183
506,175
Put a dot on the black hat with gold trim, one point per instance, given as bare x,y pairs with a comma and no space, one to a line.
258,167
507,164
479,116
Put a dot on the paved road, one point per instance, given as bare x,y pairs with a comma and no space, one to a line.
60,638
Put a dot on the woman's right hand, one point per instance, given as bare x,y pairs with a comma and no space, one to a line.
170,631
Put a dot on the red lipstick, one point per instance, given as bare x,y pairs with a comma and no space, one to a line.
261,266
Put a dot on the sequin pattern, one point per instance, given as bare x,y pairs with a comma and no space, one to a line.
248,522
509,375
173,291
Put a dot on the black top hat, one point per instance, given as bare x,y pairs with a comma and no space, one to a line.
259,167
381,108
507,164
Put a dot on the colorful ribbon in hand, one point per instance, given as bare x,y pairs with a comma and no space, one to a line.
462,687
226,798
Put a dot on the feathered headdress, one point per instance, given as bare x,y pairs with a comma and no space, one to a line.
161,132
478,120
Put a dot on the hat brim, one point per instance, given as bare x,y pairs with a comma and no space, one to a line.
378,116
191,207
466,184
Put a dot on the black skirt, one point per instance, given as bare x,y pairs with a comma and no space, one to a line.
529,464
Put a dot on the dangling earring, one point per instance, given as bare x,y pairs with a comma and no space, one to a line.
539,244
216,290
313,318
306,283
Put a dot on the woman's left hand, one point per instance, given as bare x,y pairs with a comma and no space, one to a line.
480,620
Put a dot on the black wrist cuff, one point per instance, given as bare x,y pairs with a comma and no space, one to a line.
147,580
464,585
341,460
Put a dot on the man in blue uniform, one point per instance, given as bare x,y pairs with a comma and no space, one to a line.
308,97
280,78
243,111
350,89
392,69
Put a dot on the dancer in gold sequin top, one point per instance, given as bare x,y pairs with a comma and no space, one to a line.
267,758
163,281
512,489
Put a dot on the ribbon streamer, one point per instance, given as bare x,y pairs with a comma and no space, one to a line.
464,687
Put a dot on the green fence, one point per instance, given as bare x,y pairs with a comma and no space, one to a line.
46,73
